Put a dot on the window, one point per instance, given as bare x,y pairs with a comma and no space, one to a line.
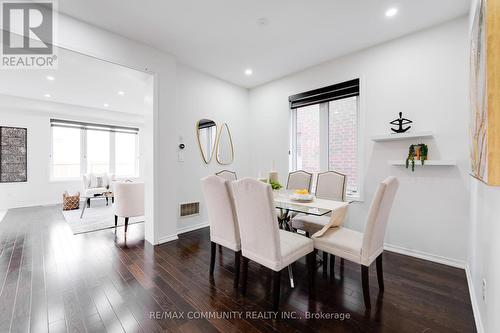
80,148
66,152
125,154
307,139
325,132
98,156
343,140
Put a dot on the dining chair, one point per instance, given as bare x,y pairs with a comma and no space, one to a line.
330,185
363,247
129,201
222,220
299,180
261,239
228,175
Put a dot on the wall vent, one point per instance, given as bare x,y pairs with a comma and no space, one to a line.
189,209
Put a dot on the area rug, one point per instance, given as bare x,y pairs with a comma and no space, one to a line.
97,217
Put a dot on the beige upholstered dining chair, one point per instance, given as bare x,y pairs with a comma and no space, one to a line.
299,180
261,239
228,175
364,248
330,185
222,220
129,201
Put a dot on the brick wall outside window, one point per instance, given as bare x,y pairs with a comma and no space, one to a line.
308,139
342,139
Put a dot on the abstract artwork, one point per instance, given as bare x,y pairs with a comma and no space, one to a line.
13,155
485,96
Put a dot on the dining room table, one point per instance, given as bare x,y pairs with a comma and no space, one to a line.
289,208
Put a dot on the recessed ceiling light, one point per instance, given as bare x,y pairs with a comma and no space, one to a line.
248,71
391,12
50,78
47,96
105,105
121,93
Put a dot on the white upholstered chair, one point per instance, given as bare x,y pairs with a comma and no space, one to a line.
222,219
330,185
363,248
299,180
129,200
228,175
261,239
96,184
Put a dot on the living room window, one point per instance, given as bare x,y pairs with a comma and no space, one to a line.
81,148
325,132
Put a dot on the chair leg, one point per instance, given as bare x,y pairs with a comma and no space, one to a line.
380,273
88,202
213,246
366,286
237,260
311,267
276,290
244,276
126,224
116,221
325,264
332,266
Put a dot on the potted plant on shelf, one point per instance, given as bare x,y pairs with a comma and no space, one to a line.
416,152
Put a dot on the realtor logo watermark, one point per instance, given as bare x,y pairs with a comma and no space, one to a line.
27,34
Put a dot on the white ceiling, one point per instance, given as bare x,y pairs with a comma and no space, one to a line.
223,38
83,81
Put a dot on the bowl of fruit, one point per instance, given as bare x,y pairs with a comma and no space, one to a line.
302,196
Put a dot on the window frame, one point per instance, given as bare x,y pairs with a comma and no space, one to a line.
324,142
83,157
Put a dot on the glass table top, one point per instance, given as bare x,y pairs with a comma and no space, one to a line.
302,209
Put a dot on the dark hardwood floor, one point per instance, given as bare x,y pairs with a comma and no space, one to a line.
54,281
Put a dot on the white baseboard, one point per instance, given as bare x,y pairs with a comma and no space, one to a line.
425,256
167,239
474,301
192,228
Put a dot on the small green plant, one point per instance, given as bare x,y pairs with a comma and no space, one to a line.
275,185
420,152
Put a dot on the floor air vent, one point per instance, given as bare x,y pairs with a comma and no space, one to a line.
189,209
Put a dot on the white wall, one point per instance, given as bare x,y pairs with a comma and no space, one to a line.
424,75
484,251
35,116
201,96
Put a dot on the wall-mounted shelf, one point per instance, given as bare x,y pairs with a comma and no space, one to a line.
402,136
427,163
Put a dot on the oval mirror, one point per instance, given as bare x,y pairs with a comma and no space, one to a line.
225,150
206,131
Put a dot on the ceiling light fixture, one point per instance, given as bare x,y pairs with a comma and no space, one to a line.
248,71
105,105
121,93
391,12
47,96
50,78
